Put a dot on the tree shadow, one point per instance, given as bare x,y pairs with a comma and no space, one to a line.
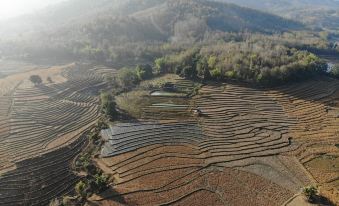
123,116
321,200
111,194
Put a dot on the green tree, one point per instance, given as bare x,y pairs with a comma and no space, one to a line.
35,79
101,182
161,65
212,62
310,192
127,78
108,105
189,72
216,74
335,71
80,189
202,69
144,72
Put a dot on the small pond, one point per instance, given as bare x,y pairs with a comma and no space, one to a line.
167,94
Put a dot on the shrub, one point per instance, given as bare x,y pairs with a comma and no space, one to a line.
101,182
216,74
101,124
49,79
144,72
310,192
127,78
188,72
335,71
160,65
35,79
94,137
80,189
108,105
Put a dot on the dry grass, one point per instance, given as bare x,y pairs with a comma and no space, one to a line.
158,82
132,102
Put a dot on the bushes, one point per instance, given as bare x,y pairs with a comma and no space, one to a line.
128,78
94,183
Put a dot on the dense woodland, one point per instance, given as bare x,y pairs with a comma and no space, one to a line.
264,64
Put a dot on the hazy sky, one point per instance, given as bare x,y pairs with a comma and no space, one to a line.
12,8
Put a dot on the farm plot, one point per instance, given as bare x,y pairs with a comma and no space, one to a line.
42,115
248,138
38,180
241,123
314,105
40,128
160,107
186,162
124,138
173,105
195,186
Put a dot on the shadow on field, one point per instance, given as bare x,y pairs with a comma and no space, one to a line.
320,200
109,195
124,116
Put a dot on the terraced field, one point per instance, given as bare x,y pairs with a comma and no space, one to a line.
40,131
249,146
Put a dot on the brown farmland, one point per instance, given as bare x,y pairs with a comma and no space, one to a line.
256,147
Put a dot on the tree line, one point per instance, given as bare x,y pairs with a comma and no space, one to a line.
255,63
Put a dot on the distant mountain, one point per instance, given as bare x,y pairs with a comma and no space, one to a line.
69,13
283,5
170,18
316,13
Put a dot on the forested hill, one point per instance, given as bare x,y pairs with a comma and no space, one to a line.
195,17
166,17
70,13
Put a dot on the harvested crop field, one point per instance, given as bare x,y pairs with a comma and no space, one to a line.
254,147
41,129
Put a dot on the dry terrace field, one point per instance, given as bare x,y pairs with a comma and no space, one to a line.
41,131
250,146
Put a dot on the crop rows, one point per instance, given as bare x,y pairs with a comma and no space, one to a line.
177,175
40,128
260,133
124,138
38,180
42,114
242,122
309,104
